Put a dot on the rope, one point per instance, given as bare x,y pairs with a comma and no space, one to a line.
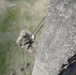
23,61
23,57
35,32
38,30
38,25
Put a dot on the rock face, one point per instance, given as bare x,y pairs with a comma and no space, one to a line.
58,39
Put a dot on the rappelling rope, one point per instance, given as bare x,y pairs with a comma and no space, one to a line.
37,29
23,60
23,57
38,25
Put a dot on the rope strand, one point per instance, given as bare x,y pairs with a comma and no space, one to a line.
23,62
38,25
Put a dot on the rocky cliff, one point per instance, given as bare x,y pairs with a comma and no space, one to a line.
58,39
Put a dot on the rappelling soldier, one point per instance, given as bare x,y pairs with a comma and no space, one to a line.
25,38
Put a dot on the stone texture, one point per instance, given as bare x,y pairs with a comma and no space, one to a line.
58,38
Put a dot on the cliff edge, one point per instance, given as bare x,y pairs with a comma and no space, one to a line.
58,38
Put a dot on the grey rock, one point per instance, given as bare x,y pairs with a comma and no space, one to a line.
58,38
